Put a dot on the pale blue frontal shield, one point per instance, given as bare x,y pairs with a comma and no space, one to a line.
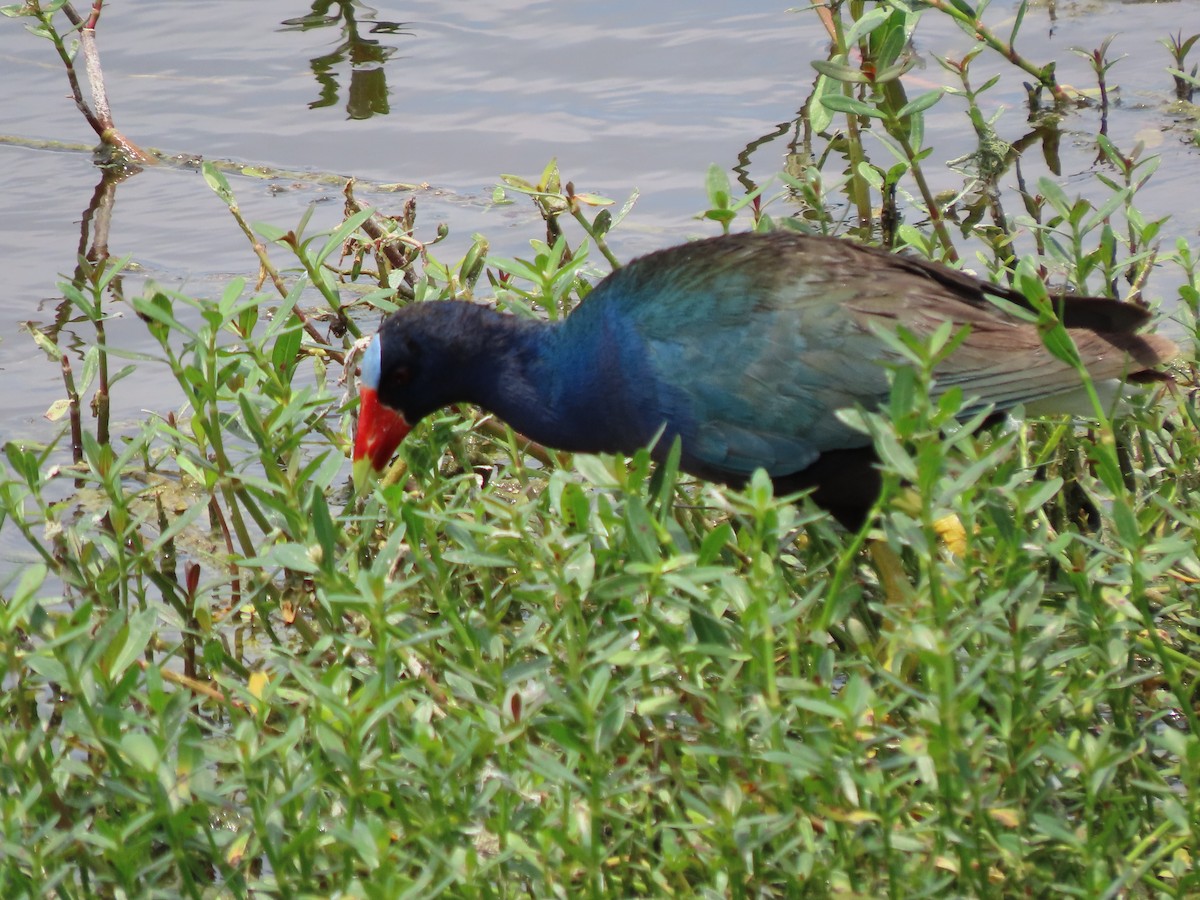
371,365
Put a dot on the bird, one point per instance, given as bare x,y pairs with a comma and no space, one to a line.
743,347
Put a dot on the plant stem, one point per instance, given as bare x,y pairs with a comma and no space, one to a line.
1044,74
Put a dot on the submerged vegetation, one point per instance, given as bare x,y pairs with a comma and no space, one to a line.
507,671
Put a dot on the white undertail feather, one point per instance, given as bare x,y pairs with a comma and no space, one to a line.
1113,393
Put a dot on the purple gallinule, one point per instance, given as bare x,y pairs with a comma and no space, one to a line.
744,347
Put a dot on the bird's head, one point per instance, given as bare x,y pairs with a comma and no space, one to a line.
427,356
398,387
381,421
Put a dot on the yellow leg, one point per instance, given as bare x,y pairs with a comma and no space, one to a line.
954,536
892,578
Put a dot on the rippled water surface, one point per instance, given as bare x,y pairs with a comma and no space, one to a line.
452,94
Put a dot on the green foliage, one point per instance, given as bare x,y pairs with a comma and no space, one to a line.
509,673
1179,47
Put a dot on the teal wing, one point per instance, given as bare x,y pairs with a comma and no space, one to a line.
756,343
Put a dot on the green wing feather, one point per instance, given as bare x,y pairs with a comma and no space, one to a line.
757,341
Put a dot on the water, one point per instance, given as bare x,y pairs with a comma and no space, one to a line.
626,96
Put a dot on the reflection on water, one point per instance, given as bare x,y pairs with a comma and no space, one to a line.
368,93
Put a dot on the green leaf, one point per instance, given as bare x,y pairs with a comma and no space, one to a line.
1058,341
339,235
870,175
517,183
272,233
24,462
640,531
714,543
470,556
136,635
840,72
140,750
920,104
894,455
158,309
1103,455
1110,206
903,393
57,409
551,181
865,24
851,105
23,607
625,208
46,345
818,113
1022,8
217,181
894,72
717,186
1055,196
286,349
593,200
291,556
324,528
709,630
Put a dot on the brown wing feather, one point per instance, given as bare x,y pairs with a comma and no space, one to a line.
1003,359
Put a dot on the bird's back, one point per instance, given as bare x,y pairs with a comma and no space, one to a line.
756,340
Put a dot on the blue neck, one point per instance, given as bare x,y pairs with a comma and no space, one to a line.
578,385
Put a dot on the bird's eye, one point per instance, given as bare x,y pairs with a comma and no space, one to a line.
400,376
